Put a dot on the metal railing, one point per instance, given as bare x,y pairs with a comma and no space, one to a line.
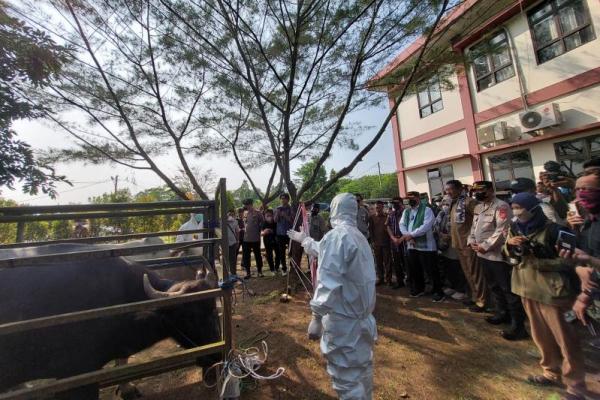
216,211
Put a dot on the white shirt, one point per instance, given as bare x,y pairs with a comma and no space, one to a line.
425,229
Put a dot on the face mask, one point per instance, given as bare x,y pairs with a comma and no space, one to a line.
199,218
589,199
446,208
522,215
412,202
480,196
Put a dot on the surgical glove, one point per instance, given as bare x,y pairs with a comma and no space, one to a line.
315,328
297,236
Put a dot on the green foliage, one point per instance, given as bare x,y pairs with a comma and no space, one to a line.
244,192
28,58
8,232
370,188
303,175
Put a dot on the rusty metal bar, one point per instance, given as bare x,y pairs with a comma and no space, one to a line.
94,215
102,253
77,316
103,207
96,239
115,375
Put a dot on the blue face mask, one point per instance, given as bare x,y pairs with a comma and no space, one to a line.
199,218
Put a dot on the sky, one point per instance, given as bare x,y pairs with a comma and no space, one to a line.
93,180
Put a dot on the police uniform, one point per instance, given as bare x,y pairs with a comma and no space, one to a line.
490,225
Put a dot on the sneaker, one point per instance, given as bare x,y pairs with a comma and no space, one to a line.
260,275
458,296
438,297
248,276
415,294
283,273
449,291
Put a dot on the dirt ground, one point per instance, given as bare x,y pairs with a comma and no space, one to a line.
425,351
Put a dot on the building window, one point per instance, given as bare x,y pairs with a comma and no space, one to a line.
438,177
430,97
492,61
509,166
572,154
559,26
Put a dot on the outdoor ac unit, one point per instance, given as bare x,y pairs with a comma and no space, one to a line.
540,118
492,133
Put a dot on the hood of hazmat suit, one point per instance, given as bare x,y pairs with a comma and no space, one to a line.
191,224
345,299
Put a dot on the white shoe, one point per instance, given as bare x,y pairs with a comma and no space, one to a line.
449,291
459,296
283,273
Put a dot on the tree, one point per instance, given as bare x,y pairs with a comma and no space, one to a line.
373,186
28,58
140,100
243,192
304,173
288,74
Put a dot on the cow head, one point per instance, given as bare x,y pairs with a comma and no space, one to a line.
190,324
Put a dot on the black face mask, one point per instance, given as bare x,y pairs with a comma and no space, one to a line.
412,202
481,196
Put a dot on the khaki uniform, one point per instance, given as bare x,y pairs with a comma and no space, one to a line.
381,246
459,233
544,284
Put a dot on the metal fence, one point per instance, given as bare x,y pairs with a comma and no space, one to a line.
215,217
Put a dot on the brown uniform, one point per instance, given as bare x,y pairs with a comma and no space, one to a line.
460,229
381,246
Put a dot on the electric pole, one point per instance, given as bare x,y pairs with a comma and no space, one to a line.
379,170
115,179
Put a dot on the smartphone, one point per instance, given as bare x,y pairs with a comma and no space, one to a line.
566,240
573,210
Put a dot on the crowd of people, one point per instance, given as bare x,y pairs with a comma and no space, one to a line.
532,255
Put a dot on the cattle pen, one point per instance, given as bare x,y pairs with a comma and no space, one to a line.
215,235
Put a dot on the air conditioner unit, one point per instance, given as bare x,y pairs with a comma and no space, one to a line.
540,118
489,135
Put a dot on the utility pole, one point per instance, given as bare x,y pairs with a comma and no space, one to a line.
379,170
115,179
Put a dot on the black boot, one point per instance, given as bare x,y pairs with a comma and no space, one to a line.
498,319
515,333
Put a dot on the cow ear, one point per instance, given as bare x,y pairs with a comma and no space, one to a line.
201,274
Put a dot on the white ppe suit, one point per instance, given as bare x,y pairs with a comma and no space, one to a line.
345,299
191,224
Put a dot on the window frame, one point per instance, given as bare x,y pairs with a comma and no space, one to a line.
587,154
512,168
490,61
442,178
561,35
426,86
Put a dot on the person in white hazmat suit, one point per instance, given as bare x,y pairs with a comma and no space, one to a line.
344,300
196,221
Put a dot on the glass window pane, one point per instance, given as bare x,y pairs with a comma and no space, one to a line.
437,106
501,57
481,66
525,171
435,185
447,172
499,39
425,111
435,93
570,148
550,52
595,144
572,166
423,97
540,13
572,17
505,73
578,38
485,82
545,31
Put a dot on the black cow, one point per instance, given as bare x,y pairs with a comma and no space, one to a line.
75,348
